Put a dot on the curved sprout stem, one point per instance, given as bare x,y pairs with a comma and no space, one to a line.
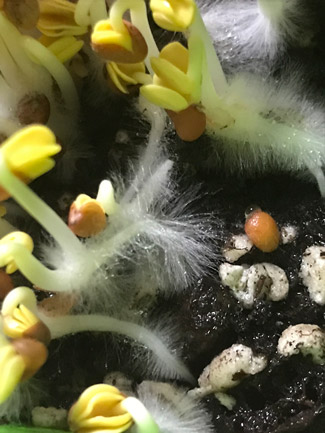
142,418
46,58
139,18
8,67
65,325
39,210
82,12
98,12
13,41
214,108
194,70
33,269
215,70
157,118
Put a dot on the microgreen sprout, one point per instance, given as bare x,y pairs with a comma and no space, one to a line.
24,321
105,407
139,220
234,112
134,45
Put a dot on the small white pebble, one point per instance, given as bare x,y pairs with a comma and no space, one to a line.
250,283
304,339
237,246
312,272
288,234
226,371
49,417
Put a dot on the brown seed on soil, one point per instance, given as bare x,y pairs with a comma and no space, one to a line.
190,123
33,108
263,231
86,217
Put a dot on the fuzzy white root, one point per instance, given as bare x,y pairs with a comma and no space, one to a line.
65,325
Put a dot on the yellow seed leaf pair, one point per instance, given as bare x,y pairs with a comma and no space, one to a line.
104,34
99,409
63,48
173,15
12,369
28,151
57,19
171,88
125,74
6,257
16,324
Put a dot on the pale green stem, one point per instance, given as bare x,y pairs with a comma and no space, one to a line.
215,70
214,108
82,12
39,210
62,280
194,70
8,67
20,429
49,61
98,12
65,325
13,40
34,270
139,18
157,118
142,418
111,247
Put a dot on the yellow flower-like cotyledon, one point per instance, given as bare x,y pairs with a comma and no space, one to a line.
103,408
173,15
57,18
28,151
173,87
27,155
99,408
12,368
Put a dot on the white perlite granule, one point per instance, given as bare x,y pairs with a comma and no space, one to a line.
312,272
288,234
305,339
237,246
257,281
227,370
49,417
